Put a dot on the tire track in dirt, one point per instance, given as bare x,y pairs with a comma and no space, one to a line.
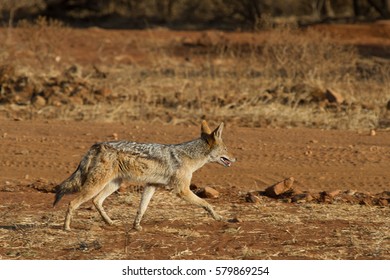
318,160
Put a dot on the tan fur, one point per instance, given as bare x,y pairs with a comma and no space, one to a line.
106,164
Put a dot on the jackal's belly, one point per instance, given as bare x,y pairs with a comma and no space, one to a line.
142,170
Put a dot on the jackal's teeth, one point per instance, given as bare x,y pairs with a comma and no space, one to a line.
226,161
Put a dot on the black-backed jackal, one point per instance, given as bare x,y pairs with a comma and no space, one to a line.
106,164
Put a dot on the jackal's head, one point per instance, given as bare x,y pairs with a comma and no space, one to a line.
218,151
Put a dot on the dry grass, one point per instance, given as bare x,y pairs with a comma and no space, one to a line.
269,231
279,81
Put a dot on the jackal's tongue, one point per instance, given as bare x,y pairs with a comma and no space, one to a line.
226,161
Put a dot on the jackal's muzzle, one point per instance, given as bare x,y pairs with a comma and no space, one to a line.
226,161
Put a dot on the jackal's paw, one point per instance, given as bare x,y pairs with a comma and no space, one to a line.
114,223
137,227
219,218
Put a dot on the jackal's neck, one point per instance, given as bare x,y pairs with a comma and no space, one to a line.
196,152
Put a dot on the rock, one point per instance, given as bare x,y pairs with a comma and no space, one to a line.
210,193
72,72
279,188
350,192
105,92
76,100
235,220
193,187
206,192
334,193
252,198
22,152
388,105
383,202
333,96
350,199
325,198
366,201
296,191
39,101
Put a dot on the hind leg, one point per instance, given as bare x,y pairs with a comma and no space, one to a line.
107,191
92,187
145,199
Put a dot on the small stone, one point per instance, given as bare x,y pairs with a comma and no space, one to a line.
366,201
372,132
76,100
350,192
308,153
334,193
252,198
210,193
280,188
303,197
194,187
22,152
383,202
206,192
39,101
235,220
105,92
325,198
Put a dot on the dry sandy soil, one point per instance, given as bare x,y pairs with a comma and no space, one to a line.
345,172
35,155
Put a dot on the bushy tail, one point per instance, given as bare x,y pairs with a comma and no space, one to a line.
76,180
70,185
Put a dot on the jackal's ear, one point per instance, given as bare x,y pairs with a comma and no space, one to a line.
206,133
205,129
217,133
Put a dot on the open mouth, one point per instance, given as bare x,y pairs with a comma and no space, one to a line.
226,161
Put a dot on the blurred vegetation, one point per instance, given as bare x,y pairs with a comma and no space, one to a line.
193,14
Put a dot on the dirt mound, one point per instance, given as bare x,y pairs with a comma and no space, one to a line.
69,88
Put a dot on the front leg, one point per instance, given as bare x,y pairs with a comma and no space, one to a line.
192,198
181,184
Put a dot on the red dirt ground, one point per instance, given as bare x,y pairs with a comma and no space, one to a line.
35,155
